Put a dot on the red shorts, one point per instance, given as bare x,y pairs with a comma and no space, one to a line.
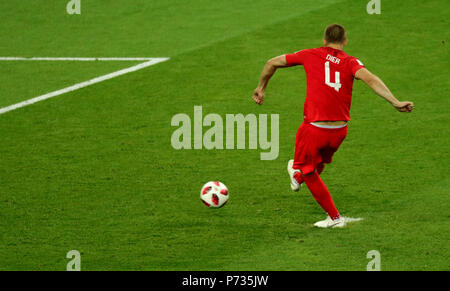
315,145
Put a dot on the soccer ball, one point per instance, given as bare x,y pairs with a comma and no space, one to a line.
214,194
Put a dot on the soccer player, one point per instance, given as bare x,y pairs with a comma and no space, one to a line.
329,76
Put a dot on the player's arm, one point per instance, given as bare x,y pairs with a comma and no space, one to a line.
382,90
269,69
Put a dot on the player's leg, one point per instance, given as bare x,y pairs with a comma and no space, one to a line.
293,169
302,143
321,194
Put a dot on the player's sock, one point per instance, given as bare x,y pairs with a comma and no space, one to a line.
321,194
298,176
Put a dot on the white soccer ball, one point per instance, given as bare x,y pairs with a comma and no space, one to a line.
214,194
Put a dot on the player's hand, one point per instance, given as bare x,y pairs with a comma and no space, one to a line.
405,106
258,96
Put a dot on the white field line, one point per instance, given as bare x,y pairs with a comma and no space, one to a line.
351,219
148,62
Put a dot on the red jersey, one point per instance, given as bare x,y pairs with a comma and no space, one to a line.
329,77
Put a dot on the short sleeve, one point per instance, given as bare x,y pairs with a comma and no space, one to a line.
297,58
355,65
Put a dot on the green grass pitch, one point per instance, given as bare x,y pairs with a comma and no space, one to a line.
94,170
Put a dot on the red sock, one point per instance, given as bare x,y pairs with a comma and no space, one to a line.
298,176
321,194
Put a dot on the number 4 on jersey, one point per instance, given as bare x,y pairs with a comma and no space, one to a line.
336,85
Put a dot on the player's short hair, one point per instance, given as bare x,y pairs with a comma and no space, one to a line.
335,33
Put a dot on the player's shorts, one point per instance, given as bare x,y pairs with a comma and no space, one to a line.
315,145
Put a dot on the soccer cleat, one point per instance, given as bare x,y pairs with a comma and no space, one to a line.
295,186
328,222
